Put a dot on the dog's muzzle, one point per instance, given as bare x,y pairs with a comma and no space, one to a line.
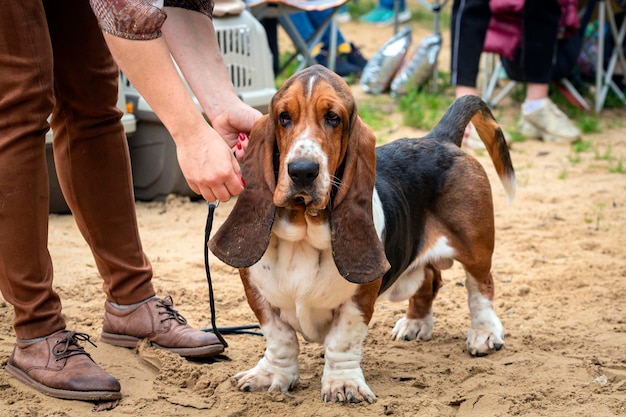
303,172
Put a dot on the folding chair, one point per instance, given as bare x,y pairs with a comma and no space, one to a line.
282,9
604,78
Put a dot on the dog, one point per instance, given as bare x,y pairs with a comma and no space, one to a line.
329,222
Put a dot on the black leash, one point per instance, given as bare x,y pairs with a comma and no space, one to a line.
218,331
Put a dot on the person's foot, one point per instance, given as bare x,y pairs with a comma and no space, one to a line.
158,321
343,68
343,16
58,366
355,57
549,124
382,16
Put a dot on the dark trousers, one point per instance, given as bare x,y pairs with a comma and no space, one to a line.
470,20
54,62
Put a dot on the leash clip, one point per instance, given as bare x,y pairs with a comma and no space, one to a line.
215,204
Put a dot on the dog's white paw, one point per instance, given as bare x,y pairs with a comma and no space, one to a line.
411,329
261,378
486,333
485,338
345,389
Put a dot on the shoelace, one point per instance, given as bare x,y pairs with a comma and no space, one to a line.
170,312
68,345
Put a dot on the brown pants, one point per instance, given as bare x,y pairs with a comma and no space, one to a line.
54,61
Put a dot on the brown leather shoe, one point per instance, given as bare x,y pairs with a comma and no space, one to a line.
58,366
158,321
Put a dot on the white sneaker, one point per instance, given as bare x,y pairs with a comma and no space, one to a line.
549,124
343,17
404,16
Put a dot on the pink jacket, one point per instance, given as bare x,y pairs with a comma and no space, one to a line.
505,28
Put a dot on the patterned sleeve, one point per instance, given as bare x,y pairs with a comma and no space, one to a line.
141,19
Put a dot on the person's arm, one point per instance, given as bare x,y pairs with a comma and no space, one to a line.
192,41
205,159
205,154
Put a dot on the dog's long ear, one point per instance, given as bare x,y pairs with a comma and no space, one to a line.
243,238
357,250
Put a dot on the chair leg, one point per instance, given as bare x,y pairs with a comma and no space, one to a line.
604,79
569,91
490,81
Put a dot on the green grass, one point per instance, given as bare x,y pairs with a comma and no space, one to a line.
604,156
582,146
618,168
587,122
421,108
280,79
376,112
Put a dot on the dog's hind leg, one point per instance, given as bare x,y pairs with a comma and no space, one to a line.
418,321
486,333
470,230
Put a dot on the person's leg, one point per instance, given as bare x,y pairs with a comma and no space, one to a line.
271,29
93,165
349,58
25,103
46,356
303,24
541,118
390,4
540,27
91,151
307,23
317,18
468,27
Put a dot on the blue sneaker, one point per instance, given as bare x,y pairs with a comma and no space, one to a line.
376,15
382,16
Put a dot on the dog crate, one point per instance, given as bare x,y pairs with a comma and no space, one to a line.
245,50
244,47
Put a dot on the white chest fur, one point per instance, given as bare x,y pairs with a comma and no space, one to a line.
297,275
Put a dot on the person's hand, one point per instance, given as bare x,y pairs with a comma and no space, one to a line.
234,124
209,166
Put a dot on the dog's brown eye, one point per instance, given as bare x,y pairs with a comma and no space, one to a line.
284,119
333,119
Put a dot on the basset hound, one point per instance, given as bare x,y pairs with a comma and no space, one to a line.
329,222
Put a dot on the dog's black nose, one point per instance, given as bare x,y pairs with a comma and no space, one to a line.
303,172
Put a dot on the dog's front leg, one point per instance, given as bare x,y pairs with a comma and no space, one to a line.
343,379
278,368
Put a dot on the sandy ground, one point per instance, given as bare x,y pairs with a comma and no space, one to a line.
560,273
